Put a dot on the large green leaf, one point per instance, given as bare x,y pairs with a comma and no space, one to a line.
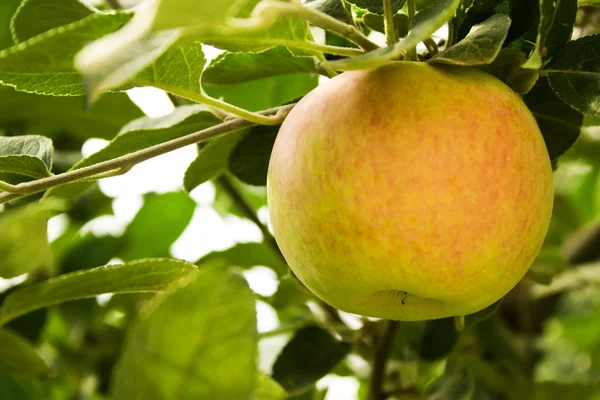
238,67
103,119
26,155
309,356
24,241
199,342
44,64
35,17
20,356
574,74
424,25
481,46
555,28
150,275
156,226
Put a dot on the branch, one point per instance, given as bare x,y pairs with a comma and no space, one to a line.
411,54
380,361
114,4
129,160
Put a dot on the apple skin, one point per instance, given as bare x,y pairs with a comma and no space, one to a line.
410,191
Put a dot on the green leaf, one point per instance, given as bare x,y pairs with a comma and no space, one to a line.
556,26
376,6
268,389
249,160
140,134
309,356
199,342
157,225
574,74
44,64
231,68
479,316
265,93
26,155
375,22
35,17
248,255
150,275
507,68
20,356
559,123
439,339
333,8
103,119
24,229
212,160
17,387
481,46
7,10
563,390
425,24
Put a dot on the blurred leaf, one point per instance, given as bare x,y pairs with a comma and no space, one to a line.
249,160
35,17
7,10
199,342
559,123
507,68
24,241
238,67
140,134
87,250
150,275
248,255
481,46
455,385
309,356
157,225
15,387
570,279
426,22
268,389
212,160
44,64
334,8
560,391
549,262
439,339
479,316
102,120
556,26
376,6
19,356
265,93
289,292
26,155
574,74
375,22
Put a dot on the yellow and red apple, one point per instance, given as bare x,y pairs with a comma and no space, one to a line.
410,191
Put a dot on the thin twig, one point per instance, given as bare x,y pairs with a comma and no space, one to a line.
114,4
380,362
129,160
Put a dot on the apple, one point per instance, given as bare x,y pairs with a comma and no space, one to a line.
410,191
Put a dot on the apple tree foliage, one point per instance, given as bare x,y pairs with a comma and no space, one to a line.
179,330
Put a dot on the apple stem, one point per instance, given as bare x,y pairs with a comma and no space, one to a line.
380,362
459,323
411,5
388,22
